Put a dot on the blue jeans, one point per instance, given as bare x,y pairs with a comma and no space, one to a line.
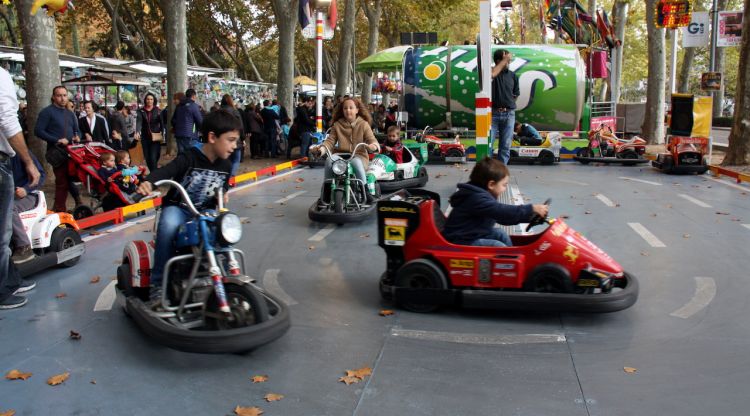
184,143
271,144
497,238
502,129
236,158
304,143
172,216
9,282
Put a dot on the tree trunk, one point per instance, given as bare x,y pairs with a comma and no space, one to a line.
74,33
620,17
11,31
373,19
285,12
739,137
592,9
38,34
718,104
133,49
191,57
147,51
343,76
115,32
684,77
329,63
653,123
205,56
175,33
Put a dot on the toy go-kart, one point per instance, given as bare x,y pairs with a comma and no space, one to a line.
555,270
442,150
683,155
547,153
343,197
208,303
605,147
392,176
54,238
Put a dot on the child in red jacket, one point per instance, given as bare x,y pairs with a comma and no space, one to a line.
393,147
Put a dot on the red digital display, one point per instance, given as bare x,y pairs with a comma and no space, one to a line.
671,14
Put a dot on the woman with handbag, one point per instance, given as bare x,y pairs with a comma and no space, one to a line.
148,129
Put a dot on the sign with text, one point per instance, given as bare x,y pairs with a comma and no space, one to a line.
711,81
696,34
671,14
730,29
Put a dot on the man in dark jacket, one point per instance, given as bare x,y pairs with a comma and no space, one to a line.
305,121
187,122
270,127
255,128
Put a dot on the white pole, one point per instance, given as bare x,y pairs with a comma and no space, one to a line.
483,97
319,71
673,65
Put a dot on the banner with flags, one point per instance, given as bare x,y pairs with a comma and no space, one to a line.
305,13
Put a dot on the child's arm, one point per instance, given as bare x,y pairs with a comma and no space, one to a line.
503,213
172,169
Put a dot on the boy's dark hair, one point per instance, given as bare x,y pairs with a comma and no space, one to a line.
499,55
487,170
190,93
219,122
119,106
392,129
120,155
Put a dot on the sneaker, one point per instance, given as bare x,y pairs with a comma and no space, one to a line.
154,296
25,287
23,254
13,302
370,198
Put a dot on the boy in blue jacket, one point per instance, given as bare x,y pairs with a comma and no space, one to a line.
476,209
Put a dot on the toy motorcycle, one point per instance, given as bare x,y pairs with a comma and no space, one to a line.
54,238
343,198
605,147
208,303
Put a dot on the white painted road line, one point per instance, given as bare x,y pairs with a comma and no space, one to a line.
320,235
106,298
705,291
271,284
608,202
640,180
516,198
646,234
477,339
288,197
746,226
572,182
730,184
695,201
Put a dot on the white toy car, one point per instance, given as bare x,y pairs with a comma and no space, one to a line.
547,153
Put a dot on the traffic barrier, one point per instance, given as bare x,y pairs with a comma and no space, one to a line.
118,215
739,177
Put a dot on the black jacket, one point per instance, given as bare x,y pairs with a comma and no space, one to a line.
475,212
505,90
101,129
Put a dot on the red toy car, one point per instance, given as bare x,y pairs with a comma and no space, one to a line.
683,155
555,270
440,149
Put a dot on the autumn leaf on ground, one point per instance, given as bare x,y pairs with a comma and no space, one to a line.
244,220
364,235
686,236
75,335
736,219
299,180
259,379
17,375
439,175
248,411
587,212
278,215
9,412
721,213
311,248
95,279
92,381
117,262
273,397
61,295
349,380
94,232
282,203
617,205
298,187
564,216
58,379
630,370
653,215
643,253
386,312
269,206
360,373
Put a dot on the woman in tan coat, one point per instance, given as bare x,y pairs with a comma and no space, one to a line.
351,126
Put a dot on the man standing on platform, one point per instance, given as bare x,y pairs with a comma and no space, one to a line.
504,92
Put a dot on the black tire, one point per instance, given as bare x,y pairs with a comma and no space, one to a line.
420,274
82,211
629,155
583,153
328,216
247,308
546,157
423,177
454,153
338,201
123,283
549,279
63,238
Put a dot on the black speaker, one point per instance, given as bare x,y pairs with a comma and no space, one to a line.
432,38
406,38
420,38
681,121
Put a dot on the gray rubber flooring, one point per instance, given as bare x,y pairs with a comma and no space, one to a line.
687,337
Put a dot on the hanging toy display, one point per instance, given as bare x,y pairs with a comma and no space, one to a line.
52,6
386,85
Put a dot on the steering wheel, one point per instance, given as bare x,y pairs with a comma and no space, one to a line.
537,219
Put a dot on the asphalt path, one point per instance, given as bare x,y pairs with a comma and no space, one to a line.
685,237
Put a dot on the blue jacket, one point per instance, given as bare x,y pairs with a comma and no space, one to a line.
20,179
55,123
186,115
475,212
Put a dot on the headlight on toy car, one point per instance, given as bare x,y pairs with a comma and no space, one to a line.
230,228
339,167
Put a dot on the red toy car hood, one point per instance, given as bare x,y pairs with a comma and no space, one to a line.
580,253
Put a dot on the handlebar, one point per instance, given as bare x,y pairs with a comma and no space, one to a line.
183,193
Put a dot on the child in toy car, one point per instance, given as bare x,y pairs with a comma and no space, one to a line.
476,208
393,147
527,135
